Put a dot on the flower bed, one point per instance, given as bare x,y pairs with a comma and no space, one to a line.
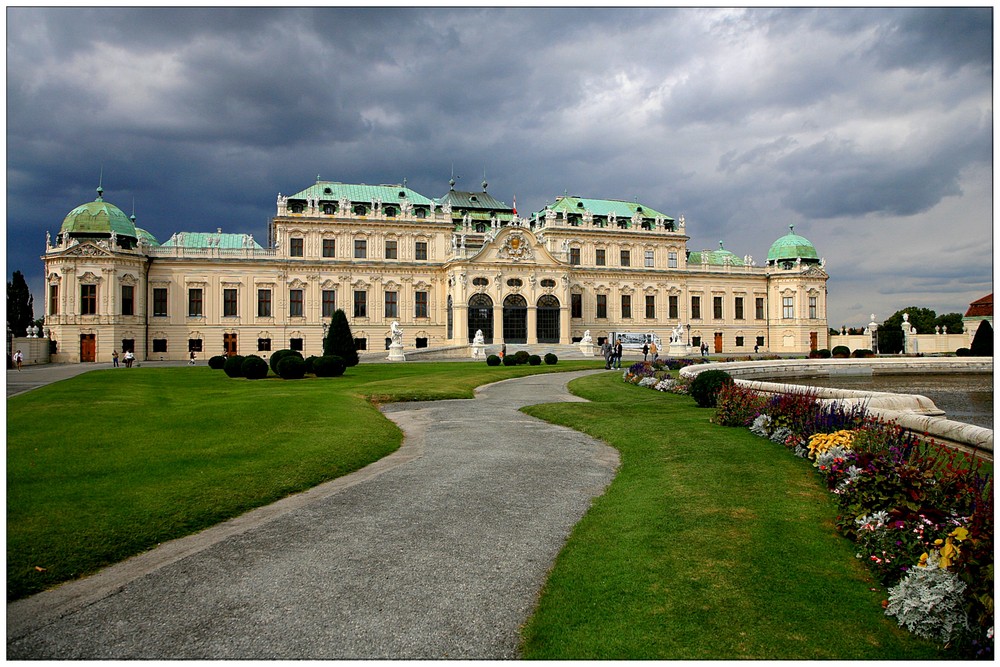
920,513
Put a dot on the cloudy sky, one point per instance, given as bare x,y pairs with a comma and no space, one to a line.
870,130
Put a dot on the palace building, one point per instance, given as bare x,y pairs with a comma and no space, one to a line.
442,268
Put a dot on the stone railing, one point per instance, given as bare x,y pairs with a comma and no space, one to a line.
915,413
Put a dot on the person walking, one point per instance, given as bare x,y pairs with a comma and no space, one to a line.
128,359
191,359
606,351
653,350
114,358
645,350
503,351
18,360
618,355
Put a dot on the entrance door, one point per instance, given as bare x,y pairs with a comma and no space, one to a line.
88,347
229,343
481,317
813,341
718,341
515,319
547,327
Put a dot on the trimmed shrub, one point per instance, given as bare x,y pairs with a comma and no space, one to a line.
819,354
217,362
551,359
234,366
310,360
254,368
339,340
963,352
328,366
862,354
535,360
509,360
982,342
493,360
706,386
281,354
292,367
841,351
521,357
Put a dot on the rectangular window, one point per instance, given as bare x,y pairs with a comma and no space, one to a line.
159,345
812,308
159,302
295,303
194,345
263,303
390,250
717,307
599,257
360,303
420,304
88,299
295,247
574,255
128,300
649,259
672,307
759,308
696,308
229,303
738,308
602,306
295,344
360,248
391,304
195,305
626,257
361,343
672,260
263,344
420,342
329,247
788,307
576,305
739,341
329,302
420,251
53,299
626,306
650,307
760,341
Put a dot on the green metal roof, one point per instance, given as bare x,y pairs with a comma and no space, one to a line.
604,207
791,246
146,236
473,201
334,191
719,257
97,217
209,240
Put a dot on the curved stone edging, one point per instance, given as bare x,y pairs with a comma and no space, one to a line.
911,411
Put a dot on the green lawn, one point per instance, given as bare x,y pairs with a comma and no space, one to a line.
110,463
710,543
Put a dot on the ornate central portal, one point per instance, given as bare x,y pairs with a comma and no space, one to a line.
481,317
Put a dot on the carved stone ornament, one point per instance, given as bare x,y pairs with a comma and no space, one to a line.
87,250
515,248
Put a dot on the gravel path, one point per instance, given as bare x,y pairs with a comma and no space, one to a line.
437,551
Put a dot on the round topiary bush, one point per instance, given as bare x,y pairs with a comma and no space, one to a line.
535,360
862,354
217,362
281,354
521,357
706,386
310,361
963,352
254,368
328,366
510,360
841,351
493,360
234,366
292,367
551,359
819,354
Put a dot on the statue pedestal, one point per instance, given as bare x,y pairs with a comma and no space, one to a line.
478,350
678,349
396,352
587,349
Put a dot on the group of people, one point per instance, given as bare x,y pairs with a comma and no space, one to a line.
650,350
612,355
127,358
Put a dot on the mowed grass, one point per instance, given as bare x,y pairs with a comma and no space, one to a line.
711,543
109,464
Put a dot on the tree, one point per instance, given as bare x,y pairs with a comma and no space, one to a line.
339,340
20,314
922,319
982,342
951,320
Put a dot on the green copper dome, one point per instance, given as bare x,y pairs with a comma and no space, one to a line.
791,246
147,238
97,219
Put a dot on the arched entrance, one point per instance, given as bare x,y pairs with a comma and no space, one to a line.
481,317
547,326
515,319
451,320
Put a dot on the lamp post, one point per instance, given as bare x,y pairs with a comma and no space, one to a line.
689,334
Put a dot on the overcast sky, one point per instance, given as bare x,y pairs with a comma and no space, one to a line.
870,130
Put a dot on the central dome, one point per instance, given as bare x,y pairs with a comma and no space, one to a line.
97,219
791,246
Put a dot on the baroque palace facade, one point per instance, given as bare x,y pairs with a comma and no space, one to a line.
443,268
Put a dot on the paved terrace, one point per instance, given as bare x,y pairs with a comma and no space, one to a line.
436,551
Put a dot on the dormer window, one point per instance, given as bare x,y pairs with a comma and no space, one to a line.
327,191
420,213
402,194
359,209
473,198
329,209
297,207
579,204
390,212
480,227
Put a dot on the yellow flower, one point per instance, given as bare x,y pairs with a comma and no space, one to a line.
949,552
938,543
923,560
960,534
